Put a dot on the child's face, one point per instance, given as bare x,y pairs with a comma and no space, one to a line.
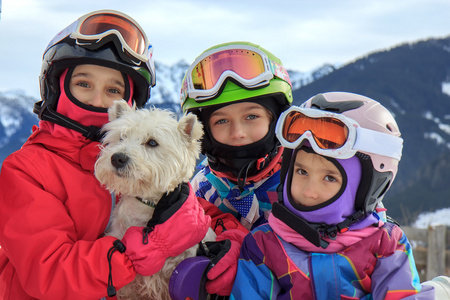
315,179
240,124
97,86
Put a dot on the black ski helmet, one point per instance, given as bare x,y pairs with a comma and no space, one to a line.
106,45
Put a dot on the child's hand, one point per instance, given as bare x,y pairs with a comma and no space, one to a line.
226,250
184,229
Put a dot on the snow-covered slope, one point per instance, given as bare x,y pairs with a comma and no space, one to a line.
438,217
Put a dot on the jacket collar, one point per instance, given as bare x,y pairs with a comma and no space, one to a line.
83,152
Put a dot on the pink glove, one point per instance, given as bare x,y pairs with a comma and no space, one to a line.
221,276
184,229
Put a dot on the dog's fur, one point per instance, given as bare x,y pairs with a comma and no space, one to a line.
156,154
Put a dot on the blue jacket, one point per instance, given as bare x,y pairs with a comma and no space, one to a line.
251,206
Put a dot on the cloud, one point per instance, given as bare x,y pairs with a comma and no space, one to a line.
304,34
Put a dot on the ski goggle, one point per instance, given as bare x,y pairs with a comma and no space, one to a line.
93,30
333,135
247,65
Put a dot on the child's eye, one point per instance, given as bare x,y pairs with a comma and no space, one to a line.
83,84
252,117
221,121
330,178
114,91
301,171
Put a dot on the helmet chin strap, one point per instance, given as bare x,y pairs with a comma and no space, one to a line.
299,225
90,132
241,182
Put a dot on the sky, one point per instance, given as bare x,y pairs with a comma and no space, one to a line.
304,34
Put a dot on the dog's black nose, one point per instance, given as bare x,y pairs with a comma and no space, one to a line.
119,160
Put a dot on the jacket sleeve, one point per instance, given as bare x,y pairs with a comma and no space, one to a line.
395,275
45,252
219,218
254,280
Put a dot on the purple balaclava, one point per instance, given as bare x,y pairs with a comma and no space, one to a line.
339,207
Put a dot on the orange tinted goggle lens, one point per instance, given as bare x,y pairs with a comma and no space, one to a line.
245,63
101,23
329,133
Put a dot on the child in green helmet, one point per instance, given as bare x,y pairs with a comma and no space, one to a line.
237,90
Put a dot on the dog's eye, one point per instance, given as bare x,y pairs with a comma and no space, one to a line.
152,143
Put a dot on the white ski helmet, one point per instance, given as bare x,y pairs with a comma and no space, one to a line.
379,170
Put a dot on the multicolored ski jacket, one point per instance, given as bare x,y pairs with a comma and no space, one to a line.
380,266
250,206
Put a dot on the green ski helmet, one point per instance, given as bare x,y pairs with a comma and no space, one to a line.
231,86
229,73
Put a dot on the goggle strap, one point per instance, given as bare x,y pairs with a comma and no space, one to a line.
378,143
279,71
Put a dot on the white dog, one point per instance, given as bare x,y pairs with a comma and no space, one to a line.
147,153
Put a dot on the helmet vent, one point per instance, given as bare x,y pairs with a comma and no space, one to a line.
320,102
381,166
362,156
386,187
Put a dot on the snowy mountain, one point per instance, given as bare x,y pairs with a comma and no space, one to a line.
411,80
166,93
16,120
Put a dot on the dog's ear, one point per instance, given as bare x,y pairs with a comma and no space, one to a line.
118,108
191,126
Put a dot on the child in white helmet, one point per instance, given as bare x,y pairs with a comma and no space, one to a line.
324,239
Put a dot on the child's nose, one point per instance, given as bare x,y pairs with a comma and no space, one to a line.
97,99
237,131
310,191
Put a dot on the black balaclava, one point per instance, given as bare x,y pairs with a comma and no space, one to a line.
241,159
